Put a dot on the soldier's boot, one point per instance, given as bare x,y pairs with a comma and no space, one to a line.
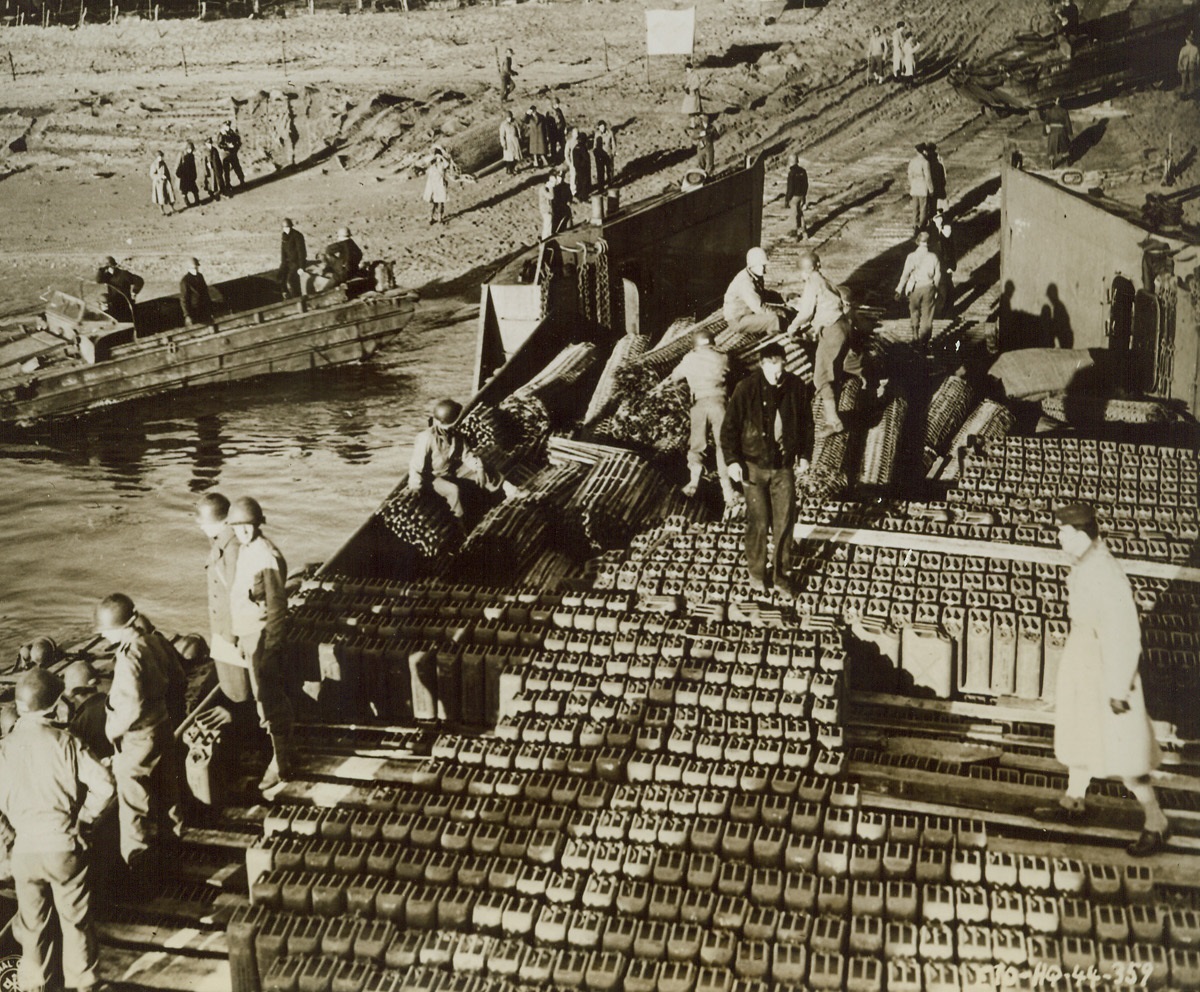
694,473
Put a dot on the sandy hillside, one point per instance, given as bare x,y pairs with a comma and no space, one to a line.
79,126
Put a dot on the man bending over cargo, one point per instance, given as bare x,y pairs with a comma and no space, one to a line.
745,308
441,460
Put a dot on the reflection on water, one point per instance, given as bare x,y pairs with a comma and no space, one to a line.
105,503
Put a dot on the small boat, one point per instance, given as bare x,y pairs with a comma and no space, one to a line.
1114,47
75,357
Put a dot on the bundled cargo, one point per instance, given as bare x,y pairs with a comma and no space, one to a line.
506,541
1091,411
676,342
988,420
622,494
556,483
604,395
882,445
826,476
566,368
509,433
423,520
947,412
651,412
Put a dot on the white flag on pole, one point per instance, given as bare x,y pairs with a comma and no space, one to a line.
670,32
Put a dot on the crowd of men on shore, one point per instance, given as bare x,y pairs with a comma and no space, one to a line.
213,168
70,751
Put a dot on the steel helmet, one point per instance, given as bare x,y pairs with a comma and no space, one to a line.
245,511
43,652
447,411
37,690
756,260
78,675
192,648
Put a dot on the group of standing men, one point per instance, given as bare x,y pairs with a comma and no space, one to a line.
218,163
902,46
926,280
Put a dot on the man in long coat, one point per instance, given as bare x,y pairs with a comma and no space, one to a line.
510,143
1058,134
293,256
539,142
1101,728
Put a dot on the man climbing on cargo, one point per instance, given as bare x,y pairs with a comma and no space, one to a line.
52,789
440,460
822,315
767,430
705,369
258,616
919,283
145,704
745,309
1101,728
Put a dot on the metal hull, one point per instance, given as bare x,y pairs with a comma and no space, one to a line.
291,337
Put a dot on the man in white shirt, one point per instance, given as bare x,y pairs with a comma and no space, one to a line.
919,282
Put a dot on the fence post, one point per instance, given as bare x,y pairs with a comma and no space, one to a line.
12,67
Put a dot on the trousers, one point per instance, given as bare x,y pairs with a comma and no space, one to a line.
920,312
765,323
49,883
708,412
920,212
770,506
266,681
147,769
833,350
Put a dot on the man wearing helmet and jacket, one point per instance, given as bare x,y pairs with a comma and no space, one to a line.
744,308
52,788
440,460
145,702
258,615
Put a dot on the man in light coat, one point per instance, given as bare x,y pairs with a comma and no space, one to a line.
705,369
510,143
52,789
919,282
258,614
1189,67
743,308
212,516
920,188
1101,728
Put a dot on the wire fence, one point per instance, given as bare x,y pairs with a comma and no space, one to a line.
74,12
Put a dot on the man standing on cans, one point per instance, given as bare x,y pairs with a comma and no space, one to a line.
145,703
1101,727
212,515
52,789
766,431
258,615
705,370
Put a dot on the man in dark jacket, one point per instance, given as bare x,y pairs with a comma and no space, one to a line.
230,143
187,173
120,288
797,189
293,256
193,296
343,257
214,171
767,428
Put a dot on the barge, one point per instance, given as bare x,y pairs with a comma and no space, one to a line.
74,357
572,750
1114,47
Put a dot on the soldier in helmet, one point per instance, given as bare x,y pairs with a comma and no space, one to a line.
52,789
41,652
258,617
145,701
84,708
212,516
745,308
440,459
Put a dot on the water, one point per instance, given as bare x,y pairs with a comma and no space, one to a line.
106,503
